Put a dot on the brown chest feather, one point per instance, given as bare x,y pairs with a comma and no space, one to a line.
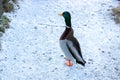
67,34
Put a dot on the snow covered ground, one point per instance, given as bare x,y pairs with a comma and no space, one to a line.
30,48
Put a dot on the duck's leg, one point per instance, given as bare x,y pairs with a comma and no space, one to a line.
68,62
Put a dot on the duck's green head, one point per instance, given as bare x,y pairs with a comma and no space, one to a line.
67,18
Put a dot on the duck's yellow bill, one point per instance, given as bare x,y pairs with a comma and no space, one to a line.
60,14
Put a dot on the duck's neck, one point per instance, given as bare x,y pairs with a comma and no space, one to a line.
67,30
65,33
68,22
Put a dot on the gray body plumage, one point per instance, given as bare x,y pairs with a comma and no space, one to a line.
70,46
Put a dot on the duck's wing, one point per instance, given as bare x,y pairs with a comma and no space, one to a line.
76,45
74,48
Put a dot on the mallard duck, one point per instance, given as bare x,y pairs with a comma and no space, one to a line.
69,44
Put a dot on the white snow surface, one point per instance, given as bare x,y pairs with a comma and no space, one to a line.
30,47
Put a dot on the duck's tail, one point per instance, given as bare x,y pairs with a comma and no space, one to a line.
82,63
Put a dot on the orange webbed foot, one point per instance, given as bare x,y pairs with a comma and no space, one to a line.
68,62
